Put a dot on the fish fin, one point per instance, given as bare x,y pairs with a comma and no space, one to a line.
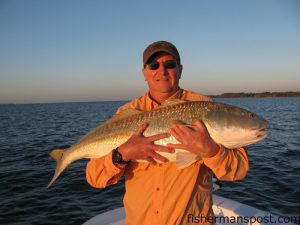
185,159
190,126
172,102
57,155
175,122
123,114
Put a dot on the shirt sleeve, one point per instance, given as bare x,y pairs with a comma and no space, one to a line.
229,164
101,172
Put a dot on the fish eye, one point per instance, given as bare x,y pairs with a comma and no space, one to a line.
252,115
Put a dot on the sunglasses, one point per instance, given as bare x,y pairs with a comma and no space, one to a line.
169,64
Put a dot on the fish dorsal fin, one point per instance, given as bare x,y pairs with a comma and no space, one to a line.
125,113
169,102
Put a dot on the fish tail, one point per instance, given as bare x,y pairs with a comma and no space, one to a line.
57,155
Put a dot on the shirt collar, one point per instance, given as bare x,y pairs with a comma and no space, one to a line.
176,95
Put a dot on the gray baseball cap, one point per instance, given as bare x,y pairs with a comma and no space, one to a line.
160,46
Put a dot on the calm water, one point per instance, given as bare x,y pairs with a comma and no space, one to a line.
29,132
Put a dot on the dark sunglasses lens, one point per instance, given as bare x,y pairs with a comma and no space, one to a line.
171,64
153,65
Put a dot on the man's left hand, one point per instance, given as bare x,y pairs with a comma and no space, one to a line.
197,140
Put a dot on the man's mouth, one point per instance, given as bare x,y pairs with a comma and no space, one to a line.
162,79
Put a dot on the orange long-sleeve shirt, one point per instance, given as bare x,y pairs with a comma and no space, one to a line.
161,193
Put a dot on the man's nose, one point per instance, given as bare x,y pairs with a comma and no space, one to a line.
162,69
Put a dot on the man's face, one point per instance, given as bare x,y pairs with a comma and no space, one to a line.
163,79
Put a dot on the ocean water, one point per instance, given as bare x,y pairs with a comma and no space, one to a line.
29,132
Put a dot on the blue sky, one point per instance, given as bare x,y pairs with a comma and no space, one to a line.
61,51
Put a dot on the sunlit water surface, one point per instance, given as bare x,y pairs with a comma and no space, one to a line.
29,132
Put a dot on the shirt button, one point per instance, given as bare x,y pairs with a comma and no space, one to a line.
157,212
157,188
160,165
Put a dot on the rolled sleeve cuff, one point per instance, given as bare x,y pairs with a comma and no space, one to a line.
101,172
216,160
110,165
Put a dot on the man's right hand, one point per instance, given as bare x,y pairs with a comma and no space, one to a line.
139,147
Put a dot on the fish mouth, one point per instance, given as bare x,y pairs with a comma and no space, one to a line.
261,133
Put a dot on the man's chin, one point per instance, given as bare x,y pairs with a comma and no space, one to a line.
164,89
167,90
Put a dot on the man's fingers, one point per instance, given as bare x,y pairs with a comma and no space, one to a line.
180,131
175,133
200,125
184,128
151,160
158,136
161,148
155,155
141,129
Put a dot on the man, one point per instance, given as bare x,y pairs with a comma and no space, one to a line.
161,193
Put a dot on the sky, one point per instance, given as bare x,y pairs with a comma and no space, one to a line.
75,51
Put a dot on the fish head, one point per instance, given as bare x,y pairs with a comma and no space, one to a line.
235,127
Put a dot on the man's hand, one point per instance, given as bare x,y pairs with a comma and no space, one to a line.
195,140
140,147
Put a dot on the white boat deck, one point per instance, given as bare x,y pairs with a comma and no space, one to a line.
226,211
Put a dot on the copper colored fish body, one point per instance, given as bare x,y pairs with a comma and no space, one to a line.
228,125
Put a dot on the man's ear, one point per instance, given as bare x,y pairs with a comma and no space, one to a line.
180,70
144,71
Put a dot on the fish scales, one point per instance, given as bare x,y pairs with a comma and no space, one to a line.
118,131
228,125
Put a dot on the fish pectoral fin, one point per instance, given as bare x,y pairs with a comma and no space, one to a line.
185,159
179,122
190,126
175,122
57,154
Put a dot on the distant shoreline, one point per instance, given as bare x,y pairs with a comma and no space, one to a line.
258,95
224,95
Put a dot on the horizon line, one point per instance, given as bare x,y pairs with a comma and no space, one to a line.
125,100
